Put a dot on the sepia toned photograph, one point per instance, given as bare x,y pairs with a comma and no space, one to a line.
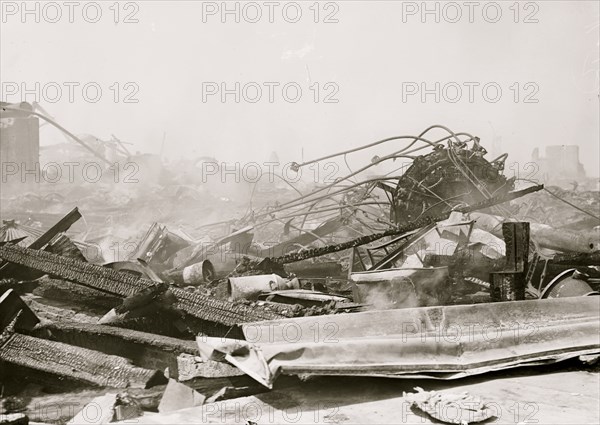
299,212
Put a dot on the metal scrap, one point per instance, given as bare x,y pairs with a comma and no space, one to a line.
461,409
399,230
445,342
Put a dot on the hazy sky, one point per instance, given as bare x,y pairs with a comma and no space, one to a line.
374,54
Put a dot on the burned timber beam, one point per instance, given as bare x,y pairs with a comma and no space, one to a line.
111,340
125,285
144,349
44,357
76,363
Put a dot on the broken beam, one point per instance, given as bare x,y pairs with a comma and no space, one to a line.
80,364
124,285
61,226
144,349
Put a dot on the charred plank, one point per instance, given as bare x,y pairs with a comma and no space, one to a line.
125,285
79,364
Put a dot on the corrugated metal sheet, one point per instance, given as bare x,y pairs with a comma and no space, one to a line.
432,342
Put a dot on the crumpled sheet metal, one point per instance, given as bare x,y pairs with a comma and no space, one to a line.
444,342
461,409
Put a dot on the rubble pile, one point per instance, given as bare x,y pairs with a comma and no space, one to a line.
561,208
126,299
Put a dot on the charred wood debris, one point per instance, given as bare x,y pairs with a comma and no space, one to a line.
448,230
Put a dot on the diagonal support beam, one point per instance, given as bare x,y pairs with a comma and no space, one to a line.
124,285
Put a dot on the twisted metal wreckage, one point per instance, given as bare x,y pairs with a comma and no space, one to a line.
425,271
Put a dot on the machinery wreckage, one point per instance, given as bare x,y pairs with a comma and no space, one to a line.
432,271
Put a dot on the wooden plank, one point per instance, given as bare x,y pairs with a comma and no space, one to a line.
124,285
79,364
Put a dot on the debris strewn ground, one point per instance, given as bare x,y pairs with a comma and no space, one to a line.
173,294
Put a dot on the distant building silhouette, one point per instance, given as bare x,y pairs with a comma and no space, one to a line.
560,166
